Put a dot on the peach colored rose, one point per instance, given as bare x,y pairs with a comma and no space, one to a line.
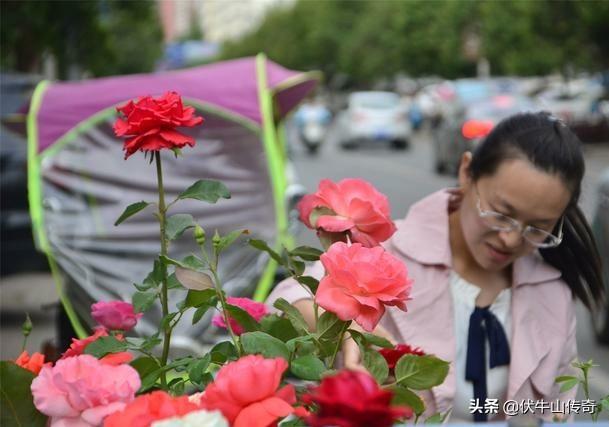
81,391
33,363
360,282
115,315
255,309
351,207
148,408
247,392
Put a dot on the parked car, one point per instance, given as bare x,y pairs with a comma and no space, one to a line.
600,229
17,251
468,123
375,117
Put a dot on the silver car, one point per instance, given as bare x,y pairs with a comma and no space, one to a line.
375,117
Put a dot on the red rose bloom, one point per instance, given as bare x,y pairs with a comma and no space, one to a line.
392,355
353,399
150,123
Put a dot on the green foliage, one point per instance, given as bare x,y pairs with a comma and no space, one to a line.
206,190
16,402
131,210
177,224
403,396
264,344
420,372
308,368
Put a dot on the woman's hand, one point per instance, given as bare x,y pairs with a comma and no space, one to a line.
351,355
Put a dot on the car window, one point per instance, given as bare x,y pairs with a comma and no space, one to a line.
377,101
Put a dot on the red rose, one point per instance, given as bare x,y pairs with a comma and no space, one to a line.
353,399
392,355
150,123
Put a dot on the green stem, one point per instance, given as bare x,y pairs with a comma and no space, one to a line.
223,303
338,343
164,293
316,311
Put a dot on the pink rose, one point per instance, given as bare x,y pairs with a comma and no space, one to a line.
115,315
81,391
360,282
78,347
247,392
255,309
352,207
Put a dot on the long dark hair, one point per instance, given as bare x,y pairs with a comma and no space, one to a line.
552,147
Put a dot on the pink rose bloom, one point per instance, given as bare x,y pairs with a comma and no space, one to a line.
255,309
360,282
352,207
81,391
115,315
247,392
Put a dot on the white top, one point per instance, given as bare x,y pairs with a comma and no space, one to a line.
464,301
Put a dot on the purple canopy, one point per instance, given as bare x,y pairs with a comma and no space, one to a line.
231,86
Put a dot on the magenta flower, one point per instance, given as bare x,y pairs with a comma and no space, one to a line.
82,391
115,315
255,309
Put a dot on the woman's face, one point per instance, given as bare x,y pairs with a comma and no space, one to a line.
517,190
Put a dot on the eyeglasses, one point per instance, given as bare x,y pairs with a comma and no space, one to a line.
535,236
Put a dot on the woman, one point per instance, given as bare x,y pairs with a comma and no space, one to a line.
495,275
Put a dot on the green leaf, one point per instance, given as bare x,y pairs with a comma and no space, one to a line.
420,372
301,346
198,298
376,365
198,368
308,368
310,282
144,365
131,210
194,280
605,403
405,397
223,351
296,422
150,380
173,282
151,342
229,239
177,224
243,318
193,262
16,401
564,378
329,326
293,315
106,345
206,190
261,343
166,321
142,301
278,327
372,339
199,313
262,246
296,267
568,385
306,253
434,419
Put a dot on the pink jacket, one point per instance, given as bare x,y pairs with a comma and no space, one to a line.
543,310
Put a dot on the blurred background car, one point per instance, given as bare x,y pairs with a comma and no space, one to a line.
600,229
375,117
17,250
313,119
469,118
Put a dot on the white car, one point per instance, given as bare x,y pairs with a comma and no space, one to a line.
375,117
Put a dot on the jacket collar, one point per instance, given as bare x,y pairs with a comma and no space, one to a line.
423,236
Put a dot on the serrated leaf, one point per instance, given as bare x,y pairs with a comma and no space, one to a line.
206,190
194,280
243,318
292,313
372,339
198,368
193,262
296,267
229,239
131,210
199,313
142,301
16,401
177,224
329,326
308,368
405,397
144,365
261,245
106,345
261,343
568,385
420,372
301,346
278,327
306,253
376,365
223,351
199,298
310,282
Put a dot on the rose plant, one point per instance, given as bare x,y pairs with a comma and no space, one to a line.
274,369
